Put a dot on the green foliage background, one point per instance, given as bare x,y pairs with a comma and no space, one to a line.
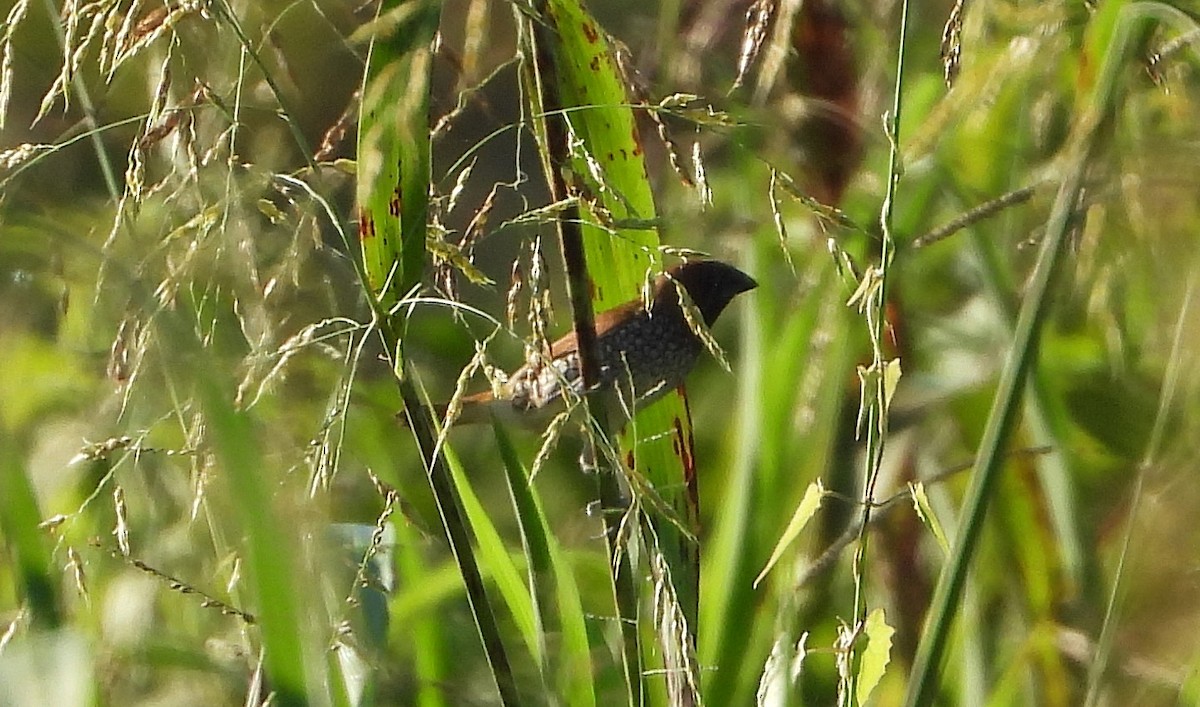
200,466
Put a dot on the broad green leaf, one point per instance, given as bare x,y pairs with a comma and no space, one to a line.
393,144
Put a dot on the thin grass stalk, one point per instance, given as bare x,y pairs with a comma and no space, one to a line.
924,678
224,10
89,111
393,211
877,414
1053,472
608,491
1166,399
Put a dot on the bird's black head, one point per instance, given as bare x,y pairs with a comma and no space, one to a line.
711,284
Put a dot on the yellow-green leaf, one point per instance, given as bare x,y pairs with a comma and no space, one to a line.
808,507
875,656
925,513
891,379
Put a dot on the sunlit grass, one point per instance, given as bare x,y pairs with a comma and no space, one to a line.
207,498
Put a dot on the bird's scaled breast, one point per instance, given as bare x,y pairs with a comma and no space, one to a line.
649,354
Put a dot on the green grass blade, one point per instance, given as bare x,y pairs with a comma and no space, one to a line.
808,507
33,568
726,615
270,548
495,559
458,535
576,683
535,534
393,200
393,139
552,585
924,679
431,658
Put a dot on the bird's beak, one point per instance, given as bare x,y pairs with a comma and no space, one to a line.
743,283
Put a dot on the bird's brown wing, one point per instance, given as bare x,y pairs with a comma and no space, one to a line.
605,322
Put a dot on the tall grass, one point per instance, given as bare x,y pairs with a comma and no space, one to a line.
246,248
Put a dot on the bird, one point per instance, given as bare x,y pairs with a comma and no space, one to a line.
646,350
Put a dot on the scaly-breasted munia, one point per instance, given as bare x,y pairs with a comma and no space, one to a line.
651,348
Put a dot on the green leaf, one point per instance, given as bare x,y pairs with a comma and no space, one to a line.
270,547
495,558
809,505
33,567
393,139
552,584
927,516
575,677
891,379
875,656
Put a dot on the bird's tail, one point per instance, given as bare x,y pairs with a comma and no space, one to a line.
471,410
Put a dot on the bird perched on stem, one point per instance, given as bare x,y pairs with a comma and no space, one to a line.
648,350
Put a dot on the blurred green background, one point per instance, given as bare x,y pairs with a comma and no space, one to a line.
164,234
